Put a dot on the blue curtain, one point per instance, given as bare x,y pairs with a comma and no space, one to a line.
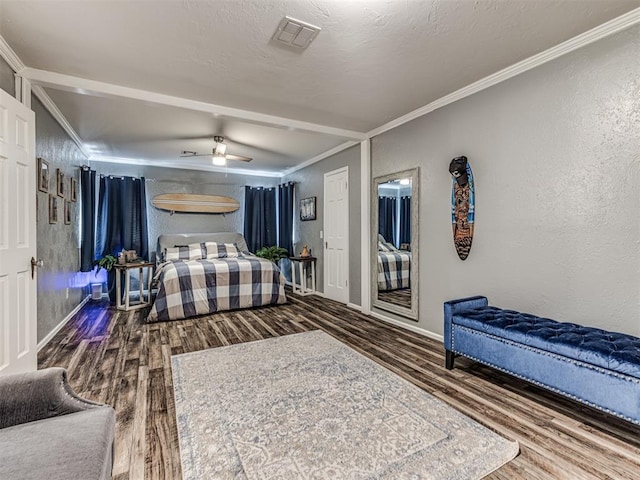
260,217
122,216
285,216
405,220
88,215
387,218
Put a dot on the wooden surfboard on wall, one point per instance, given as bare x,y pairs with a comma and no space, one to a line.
462,205
194,203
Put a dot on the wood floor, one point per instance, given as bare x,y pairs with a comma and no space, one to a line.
114,357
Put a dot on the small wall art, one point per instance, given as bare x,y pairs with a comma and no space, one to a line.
53,209
60,182
67,212
73,189
308,209
463,196
43,175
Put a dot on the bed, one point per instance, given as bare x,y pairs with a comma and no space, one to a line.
203,273
394,267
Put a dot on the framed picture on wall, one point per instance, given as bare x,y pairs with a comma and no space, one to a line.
308,209
73,189
43,175
67,212
60,182
53,209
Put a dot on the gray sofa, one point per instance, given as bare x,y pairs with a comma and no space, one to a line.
47,432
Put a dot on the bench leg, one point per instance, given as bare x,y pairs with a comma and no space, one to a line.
449,359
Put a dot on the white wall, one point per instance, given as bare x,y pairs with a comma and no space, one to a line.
555,155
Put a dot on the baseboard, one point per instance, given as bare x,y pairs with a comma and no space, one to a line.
406,326
64,321
354,306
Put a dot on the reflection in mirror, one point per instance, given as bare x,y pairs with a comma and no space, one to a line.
394,285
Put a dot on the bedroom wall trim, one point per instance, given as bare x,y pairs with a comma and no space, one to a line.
322,156
55,112
22,88
57,80
10,56
181,166
354,306
64,321
597,33
365,222
407,326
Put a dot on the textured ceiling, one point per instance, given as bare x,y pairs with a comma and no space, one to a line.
372,62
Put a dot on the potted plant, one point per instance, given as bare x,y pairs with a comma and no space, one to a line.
273,253
107,262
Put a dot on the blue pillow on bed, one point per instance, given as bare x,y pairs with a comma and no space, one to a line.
222,250
193,251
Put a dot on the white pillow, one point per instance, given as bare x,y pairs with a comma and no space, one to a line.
222,250
193,251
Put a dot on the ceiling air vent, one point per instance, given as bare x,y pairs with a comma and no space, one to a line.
295,33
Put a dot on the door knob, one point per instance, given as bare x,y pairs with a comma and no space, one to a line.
35,263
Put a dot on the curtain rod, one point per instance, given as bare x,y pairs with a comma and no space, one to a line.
102,175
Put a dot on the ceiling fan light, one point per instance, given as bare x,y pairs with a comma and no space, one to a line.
218,159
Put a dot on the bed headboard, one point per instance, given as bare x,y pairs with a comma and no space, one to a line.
174,239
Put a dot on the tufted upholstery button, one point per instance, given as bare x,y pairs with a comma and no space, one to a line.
614,351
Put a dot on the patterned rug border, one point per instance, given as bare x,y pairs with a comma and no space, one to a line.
511,451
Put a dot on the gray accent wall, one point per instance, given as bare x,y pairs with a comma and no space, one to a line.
166,180
555,154
60,286
7,78
310,183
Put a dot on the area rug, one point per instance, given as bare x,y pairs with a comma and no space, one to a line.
306,406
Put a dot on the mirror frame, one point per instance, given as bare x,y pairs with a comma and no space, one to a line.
414,175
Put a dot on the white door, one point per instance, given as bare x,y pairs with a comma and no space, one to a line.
336,235
17,237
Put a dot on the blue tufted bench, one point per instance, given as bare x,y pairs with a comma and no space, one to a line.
593,366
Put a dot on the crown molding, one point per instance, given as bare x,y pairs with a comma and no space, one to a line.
10,56
88,87
601,31
184,166
53,109
322,156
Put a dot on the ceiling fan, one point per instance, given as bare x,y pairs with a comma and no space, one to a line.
217,155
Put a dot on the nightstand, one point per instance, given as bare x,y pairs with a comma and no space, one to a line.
125,269
303,264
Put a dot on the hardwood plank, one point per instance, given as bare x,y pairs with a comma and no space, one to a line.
115,357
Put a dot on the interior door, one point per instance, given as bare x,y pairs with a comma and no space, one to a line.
18,314
336,235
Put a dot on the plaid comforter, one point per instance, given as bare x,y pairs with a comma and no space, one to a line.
394,270
197,287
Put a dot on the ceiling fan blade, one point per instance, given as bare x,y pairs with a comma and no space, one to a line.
238,157
188,155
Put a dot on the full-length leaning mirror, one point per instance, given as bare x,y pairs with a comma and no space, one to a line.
394,242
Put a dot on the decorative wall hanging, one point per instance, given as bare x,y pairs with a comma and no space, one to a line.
462,205
73,189
60,182
53,209
193,203
43,175
67,212
308,209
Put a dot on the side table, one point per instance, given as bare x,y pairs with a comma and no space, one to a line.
302,264
125,269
